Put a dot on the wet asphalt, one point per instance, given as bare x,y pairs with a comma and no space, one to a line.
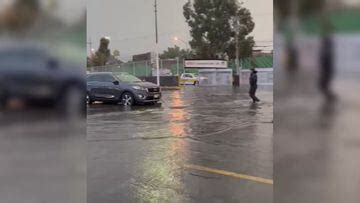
148,153
317,141
42,160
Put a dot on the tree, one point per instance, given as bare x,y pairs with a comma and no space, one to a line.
114,59
174,52
212,29
244,25
116,53
102,55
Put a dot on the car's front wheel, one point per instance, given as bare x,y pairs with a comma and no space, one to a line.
127,99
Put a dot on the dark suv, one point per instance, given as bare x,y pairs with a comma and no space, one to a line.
28,72
121,88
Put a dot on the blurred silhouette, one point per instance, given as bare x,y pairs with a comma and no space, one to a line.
31,75
253,85
292,57
326,61
20,15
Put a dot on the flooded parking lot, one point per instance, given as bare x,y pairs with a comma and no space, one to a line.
200,144
316,140
43,158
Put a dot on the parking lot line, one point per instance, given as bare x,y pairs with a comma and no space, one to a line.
230,174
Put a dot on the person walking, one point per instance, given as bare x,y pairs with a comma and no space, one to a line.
253,85
327,63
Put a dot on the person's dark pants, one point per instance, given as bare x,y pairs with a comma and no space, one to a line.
252,93
326,77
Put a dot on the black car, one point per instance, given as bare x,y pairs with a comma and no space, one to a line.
120,87
30,74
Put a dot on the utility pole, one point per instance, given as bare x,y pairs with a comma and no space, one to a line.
237,51
90,45
157,47
237,30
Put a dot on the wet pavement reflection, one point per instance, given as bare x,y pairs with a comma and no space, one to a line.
42,160
316,140
139,154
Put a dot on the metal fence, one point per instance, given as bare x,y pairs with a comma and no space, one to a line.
175,67
168,67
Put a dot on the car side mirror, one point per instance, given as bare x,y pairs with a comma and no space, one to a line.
116,82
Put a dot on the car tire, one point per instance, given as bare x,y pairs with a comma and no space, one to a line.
127,99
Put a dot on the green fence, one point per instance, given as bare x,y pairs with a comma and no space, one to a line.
173,67
253,62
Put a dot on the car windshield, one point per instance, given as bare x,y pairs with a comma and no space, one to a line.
126,77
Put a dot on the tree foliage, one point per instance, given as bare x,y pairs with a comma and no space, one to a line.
102,55
213,30
174,52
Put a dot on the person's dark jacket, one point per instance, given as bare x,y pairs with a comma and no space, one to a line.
253,82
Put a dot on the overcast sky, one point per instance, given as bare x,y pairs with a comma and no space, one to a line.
130,24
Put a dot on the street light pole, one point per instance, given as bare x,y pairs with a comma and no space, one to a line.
237,51
157,47
90,45
237,30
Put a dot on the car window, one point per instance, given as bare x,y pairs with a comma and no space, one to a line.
188,76
93,78
125,77
107,78
100,78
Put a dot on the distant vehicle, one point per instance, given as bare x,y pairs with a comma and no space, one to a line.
121,88
30,74
189,79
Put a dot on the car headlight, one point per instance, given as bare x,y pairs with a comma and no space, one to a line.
139,88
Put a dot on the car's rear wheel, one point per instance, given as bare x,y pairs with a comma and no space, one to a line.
127,99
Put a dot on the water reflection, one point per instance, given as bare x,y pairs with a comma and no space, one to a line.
160,179
178,115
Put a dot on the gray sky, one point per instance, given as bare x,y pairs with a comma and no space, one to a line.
130,24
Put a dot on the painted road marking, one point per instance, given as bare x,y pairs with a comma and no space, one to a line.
228,173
